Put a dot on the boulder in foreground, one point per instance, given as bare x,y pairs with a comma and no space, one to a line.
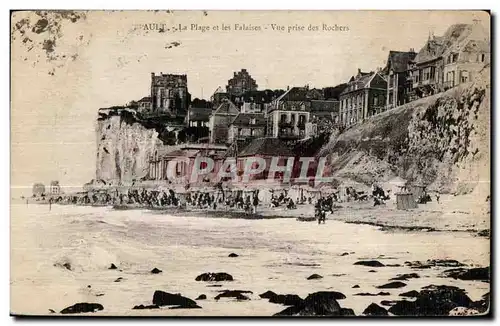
161,298
433,301
375,310
370,263
214,277
472,274
142,307
392,285
82,307
237,294
318,304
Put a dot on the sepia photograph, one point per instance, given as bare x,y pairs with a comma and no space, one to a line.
250,163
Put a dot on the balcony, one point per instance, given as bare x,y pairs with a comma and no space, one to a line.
288,135
285,124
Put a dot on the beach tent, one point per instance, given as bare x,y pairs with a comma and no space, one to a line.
405,200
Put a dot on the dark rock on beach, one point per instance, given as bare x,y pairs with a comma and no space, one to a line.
113,266
82,307
347,312
372,271
141,307
355,286
433,301
201,297
370,263
344,254
214,277
237,294
392,285
161,298
482,305
233,255
367,294
156,271
434,263
317,304
409,294
375,310
404,277
286,299
118,279
472,274
314,277
267,295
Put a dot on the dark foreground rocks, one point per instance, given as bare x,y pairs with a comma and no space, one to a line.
161,298
370,263
367,294
233,255
82,307
472,274
113,266
434,263
375,310
317,304
214,277
434,300
392,285
237,294
156,271
314,277
142,307
284,299
201,297
404,277
267,295
410,294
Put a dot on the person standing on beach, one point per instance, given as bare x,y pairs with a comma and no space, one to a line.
50,204
255,202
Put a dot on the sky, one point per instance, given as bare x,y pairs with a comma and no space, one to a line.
62,75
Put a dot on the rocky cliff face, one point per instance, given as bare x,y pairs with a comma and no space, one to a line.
442,141
123,148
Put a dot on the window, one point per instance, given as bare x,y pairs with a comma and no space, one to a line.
455,57
283,118
464,76
375,100
252,121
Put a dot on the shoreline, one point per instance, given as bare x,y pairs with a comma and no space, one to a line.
392,220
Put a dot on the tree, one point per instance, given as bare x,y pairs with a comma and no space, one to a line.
38,189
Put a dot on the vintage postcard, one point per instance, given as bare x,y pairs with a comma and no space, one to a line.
250,163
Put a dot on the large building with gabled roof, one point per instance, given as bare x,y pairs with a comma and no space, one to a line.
363,97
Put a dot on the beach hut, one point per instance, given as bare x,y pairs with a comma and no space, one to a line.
405,199
418,190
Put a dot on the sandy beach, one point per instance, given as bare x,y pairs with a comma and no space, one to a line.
274,254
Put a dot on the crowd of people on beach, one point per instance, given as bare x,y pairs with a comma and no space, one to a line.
218,198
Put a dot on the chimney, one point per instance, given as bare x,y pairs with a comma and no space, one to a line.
152,74
359,71
288,88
